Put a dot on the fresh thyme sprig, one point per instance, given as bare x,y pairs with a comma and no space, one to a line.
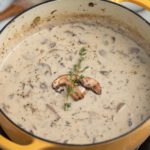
74,76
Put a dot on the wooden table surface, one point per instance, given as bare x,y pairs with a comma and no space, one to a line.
17,7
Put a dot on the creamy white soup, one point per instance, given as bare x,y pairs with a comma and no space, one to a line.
118,64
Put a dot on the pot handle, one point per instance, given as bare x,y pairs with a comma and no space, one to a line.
34,145
143,3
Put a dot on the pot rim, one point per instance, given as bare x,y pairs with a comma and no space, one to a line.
65,144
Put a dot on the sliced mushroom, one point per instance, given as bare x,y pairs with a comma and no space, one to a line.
91,84
61,81
78,94
64,81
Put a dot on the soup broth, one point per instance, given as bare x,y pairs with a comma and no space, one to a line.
120,66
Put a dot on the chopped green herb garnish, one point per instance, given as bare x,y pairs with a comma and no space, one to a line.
74,76
67,106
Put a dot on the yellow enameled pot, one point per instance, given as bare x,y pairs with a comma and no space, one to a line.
22,140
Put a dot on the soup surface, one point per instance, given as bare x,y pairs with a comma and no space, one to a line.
115,61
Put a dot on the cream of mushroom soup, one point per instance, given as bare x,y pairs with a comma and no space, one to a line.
115,61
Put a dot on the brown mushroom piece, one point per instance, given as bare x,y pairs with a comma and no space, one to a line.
64,81
78,94
91,84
